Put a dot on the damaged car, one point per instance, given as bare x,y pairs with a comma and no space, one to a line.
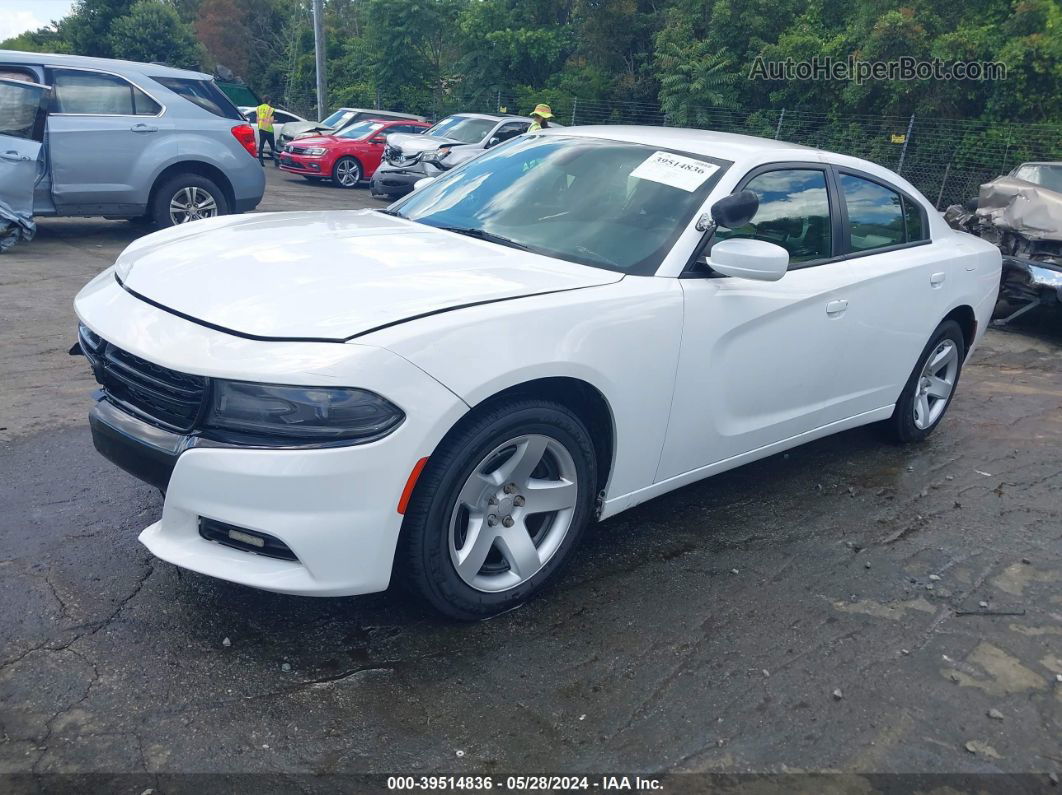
22,119
136,140
1021,213
455,140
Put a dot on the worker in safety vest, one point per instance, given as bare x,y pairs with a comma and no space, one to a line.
265,131
540,117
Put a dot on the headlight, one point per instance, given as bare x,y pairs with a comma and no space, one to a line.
301,414
436,157
314,151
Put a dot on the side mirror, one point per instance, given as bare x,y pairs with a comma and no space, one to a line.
420,183
378,139
735,210
494,141
749,259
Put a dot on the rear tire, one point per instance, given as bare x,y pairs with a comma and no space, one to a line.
499,508
187,197
928,392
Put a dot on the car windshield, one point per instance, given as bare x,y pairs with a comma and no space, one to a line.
462,128
360,129
336,118
1048,176
608,204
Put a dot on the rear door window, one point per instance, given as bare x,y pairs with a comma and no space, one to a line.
914,221
202,93
98,94
880,216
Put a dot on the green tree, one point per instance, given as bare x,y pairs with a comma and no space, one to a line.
88,28
153,32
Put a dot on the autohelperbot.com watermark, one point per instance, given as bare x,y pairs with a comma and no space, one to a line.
854,69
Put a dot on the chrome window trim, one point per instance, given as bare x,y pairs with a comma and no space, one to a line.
24,83
128,80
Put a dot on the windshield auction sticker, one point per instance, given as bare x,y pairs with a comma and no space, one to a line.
674,170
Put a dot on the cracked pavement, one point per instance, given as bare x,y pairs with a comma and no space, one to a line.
707,630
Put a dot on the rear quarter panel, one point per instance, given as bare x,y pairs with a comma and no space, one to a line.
196,135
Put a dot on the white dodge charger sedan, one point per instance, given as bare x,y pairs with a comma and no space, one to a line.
449,390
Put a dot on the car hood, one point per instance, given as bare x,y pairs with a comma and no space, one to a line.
316,140
294,128
414,144
331,275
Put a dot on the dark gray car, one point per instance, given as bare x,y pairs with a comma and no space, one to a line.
135,140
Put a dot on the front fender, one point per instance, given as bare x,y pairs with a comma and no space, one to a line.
622,339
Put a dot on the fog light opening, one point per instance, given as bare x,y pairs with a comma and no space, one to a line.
244,539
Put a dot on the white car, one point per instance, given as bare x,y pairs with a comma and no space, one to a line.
576,322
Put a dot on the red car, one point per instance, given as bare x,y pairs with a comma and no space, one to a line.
346,157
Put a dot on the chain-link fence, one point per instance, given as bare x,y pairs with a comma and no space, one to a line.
946,159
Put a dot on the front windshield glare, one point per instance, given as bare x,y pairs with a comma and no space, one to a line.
332,120
463,129
359,130
608,204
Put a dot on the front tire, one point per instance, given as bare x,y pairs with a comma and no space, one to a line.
931,387
499,508
346,173
187,197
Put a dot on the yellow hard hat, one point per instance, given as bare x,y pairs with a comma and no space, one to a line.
542,110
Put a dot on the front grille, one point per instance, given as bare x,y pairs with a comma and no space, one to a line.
296,150
163,396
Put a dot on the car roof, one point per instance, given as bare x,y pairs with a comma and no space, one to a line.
744,150
102,64
491,116
1042,163
379,110
728,146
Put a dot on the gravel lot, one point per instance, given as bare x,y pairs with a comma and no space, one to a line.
819,610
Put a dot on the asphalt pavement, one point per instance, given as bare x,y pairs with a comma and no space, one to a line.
848,606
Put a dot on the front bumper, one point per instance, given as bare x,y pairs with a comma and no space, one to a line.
301,164
142,450
335,508
399,180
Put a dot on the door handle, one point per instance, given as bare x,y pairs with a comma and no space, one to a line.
14,157
836,308
143,128
937,279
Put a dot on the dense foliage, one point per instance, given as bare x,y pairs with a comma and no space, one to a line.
681,56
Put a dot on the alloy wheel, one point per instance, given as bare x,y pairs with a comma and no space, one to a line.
936,383
513,513
192,203
348,173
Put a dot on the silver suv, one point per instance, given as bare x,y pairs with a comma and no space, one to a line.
136,140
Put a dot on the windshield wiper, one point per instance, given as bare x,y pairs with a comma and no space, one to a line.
479,234
388,211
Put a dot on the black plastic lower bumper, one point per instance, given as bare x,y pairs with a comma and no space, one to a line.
388,182
142,450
